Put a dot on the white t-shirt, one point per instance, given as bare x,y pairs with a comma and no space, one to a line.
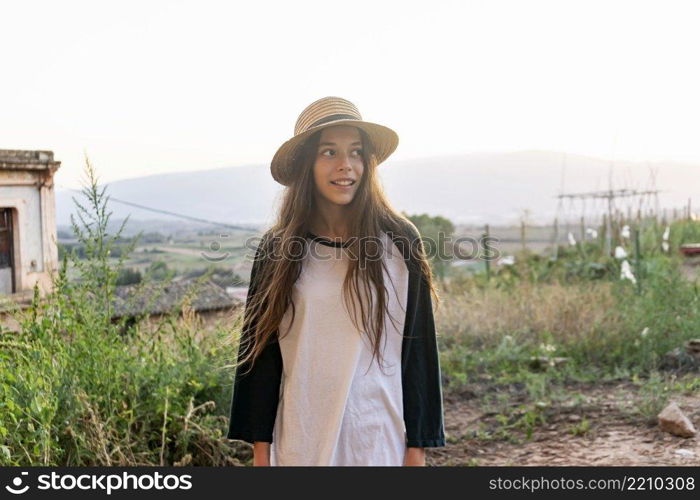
337,405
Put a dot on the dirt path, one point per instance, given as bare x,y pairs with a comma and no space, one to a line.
614,437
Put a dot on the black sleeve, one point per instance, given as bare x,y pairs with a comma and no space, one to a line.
420,363
255,393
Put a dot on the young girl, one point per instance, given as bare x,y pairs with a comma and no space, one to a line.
338,359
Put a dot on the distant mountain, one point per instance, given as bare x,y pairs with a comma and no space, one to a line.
234,195
479,188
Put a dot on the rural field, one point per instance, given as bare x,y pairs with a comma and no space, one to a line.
562,357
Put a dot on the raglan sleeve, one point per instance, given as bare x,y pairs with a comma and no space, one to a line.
255,391
421,374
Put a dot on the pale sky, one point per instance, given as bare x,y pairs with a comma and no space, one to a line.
161,86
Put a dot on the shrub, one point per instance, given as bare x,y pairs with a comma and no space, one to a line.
79,389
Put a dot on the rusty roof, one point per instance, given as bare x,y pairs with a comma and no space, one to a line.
166,297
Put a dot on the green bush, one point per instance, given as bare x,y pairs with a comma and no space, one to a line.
79,389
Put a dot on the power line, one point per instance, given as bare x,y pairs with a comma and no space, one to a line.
174,214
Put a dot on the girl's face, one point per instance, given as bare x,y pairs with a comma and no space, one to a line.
339,158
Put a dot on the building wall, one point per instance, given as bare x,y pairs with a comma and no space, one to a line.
28,221
36,252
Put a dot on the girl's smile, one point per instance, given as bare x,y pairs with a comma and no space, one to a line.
344,184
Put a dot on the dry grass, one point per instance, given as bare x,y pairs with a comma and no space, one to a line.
568,312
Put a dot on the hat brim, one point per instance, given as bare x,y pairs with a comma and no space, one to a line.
384,141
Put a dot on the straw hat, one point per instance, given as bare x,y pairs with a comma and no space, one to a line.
323,113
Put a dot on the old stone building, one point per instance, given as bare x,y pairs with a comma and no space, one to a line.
28,247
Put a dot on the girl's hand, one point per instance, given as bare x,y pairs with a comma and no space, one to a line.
414,457
261,454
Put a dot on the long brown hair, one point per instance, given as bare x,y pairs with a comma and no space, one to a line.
370,213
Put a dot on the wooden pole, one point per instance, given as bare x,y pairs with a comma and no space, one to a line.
487,260
555,240
637,260
582,241
606,233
